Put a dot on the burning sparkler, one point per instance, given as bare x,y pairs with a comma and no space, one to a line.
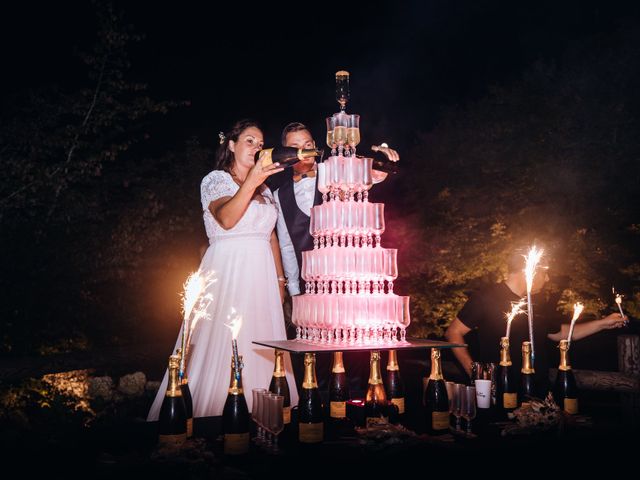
235,324
619,302
532,259
193,292
577,310
516,309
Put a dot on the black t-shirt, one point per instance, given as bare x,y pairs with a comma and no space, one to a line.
484,313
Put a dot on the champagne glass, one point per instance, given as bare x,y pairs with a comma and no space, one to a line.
390,267
469,406
254,410
276,419
458,393
340,130
353,132
330,137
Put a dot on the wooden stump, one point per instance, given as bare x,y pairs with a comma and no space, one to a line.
629,363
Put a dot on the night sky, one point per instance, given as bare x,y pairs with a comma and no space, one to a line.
408,60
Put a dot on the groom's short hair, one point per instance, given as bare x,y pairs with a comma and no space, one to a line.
292,127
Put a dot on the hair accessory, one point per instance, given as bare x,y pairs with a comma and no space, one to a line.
222,137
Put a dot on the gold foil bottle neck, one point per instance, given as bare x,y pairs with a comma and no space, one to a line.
309,381
392,364
564,355
436,365
527,366
375,374
278,367
338,364
505,354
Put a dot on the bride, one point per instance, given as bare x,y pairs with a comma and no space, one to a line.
239,216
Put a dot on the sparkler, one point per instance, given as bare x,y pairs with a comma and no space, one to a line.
577,310
532,259
235,324
516,309
619,302
193,289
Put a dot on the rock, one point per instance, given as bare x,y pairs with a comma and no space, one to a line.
152,387
132,385
101,387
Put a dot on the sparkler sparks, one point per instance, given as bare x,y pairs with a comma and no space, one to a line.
235,324
532,259
194,307
516,309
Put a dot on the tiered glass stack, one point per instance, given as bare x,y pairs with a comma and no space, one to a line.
349,298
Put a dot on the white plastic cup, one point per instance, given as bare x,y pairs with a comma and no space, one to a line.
483,393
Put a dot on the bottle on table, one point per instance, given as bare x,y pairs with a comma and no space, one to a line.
338,388
172,421
436,400
506,386
280,386
527,377
565,391
394,383
235,414
375,406
310,414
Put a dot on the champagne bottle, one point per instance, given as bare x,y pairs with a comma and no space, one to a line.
310,415
235,414
506,387
338,388
381,163
436,399
527,384
188,403
172,422
375,405
394,383
186,395
566,390
285,156
280,386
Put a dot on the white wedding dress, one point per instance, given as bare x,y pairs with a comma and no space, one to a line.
245,280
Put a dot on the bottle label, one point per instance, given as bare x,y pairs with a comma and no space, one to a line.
440,420
311,432
510,400
266,157
400,403
236,443
286,415
189,427
338,409
571,406
172,440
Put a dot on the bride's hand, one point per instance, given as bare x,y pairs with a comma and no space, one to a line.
258,174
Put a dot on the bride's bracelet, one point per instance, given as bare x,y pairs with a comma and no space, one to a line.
283,280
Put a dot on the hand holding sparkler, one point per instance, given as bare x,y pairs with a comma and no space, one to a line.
619,303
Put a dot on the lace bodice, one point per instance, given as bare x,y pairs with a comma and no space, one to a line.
258,220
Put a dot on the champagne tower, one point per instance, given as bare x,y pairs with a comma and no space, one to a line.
349,297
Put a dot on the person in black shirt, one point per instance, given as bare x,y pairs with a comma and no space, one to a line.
484,315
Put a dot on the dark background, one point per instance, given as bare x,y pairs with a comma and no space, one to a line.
515,121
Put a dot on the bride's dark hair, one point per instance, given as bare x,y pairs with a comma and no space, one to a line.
224,156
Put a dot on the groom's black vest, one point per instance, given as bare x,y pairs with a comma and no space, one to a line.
297,222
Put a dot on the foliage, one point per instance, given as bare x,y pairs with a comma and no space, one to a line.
550,159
